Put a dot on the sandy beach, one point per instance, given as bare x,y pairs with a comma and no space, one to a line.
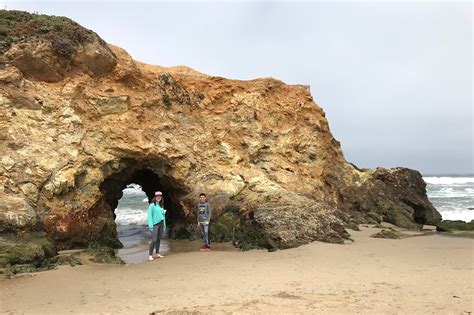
428,274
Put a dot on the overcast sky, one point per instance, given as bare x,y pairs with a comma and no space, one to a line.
395,78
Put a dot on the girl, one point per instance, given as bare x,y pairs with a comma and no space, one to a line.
156,224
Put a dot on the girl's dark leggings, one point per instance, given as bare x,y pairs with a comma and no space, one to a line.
156,237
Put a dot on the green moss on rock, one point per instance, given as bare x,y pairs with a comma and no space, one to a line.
249,235
352,226
458,225
71,260
391,234
30,253
46,264
223,229
29,249
373,218
22,268
104,255
402,216
61,32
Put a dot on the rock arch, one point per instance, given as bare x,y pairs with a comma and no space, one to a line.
152,176
261,149
87,221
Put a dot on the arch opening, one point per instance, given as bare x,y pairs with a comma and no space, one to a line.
150,177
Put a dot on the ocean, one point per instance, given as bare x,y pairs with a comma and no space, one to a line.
132,207
452,196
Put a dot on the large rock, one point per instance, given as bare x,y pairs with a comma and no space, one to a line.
457,225
262,151
397,196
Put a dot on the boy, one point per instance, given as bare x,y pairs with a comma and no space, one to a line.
204,213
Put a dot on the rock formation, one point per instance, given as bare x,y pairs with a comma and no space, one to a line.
81,119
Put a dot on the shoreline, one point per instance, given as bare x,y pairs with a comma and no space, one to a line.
425,274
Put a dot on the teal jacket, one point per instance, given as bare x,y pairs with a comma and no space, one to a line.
156,214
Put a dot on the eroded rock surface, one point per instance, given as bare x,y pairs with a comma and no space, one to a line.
262,150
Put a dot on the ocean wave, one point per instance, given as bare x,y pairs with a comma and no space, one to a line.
449,193
129,216
448,180
134,190
465,215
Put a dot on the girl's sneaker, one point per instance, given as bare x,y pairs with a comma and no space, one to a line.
159,256
150,258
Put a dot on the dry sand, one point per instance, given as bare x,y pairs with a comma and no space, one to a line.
415,275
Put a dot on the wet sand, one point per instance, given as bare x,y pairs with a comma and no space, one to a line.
429,274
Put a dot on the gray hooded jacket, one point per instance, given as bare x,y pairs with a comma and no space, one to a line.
204,212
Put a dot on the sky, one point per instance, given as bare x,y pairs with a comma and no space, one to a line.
394,77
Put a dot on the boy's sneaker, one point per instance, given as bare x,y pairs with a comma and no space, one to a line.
159,256
150,257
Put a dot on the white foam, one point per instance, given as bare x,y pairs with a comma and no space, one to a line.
457,214
448,180
129,216
449,192
134,190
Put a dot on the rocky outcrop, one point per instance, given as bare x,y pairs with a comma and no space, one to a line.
51,48
390,234
453,226
77,129
37,59
397,196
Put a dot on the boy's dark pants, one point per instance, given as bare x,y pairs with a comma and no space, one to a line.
205,233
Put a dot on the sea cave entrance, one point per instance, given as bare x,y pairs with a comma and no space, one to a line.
131,225
133,184
126,192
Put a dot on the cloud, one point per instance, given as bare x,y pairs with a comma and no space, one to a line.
395,78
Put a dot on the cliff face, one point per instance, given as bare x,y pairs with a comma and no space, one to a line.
77,128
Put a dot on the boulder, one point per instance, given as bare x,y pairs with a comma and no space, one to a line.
457,225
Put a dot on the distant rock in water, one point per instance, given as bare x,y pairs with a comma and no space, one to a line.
81,119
